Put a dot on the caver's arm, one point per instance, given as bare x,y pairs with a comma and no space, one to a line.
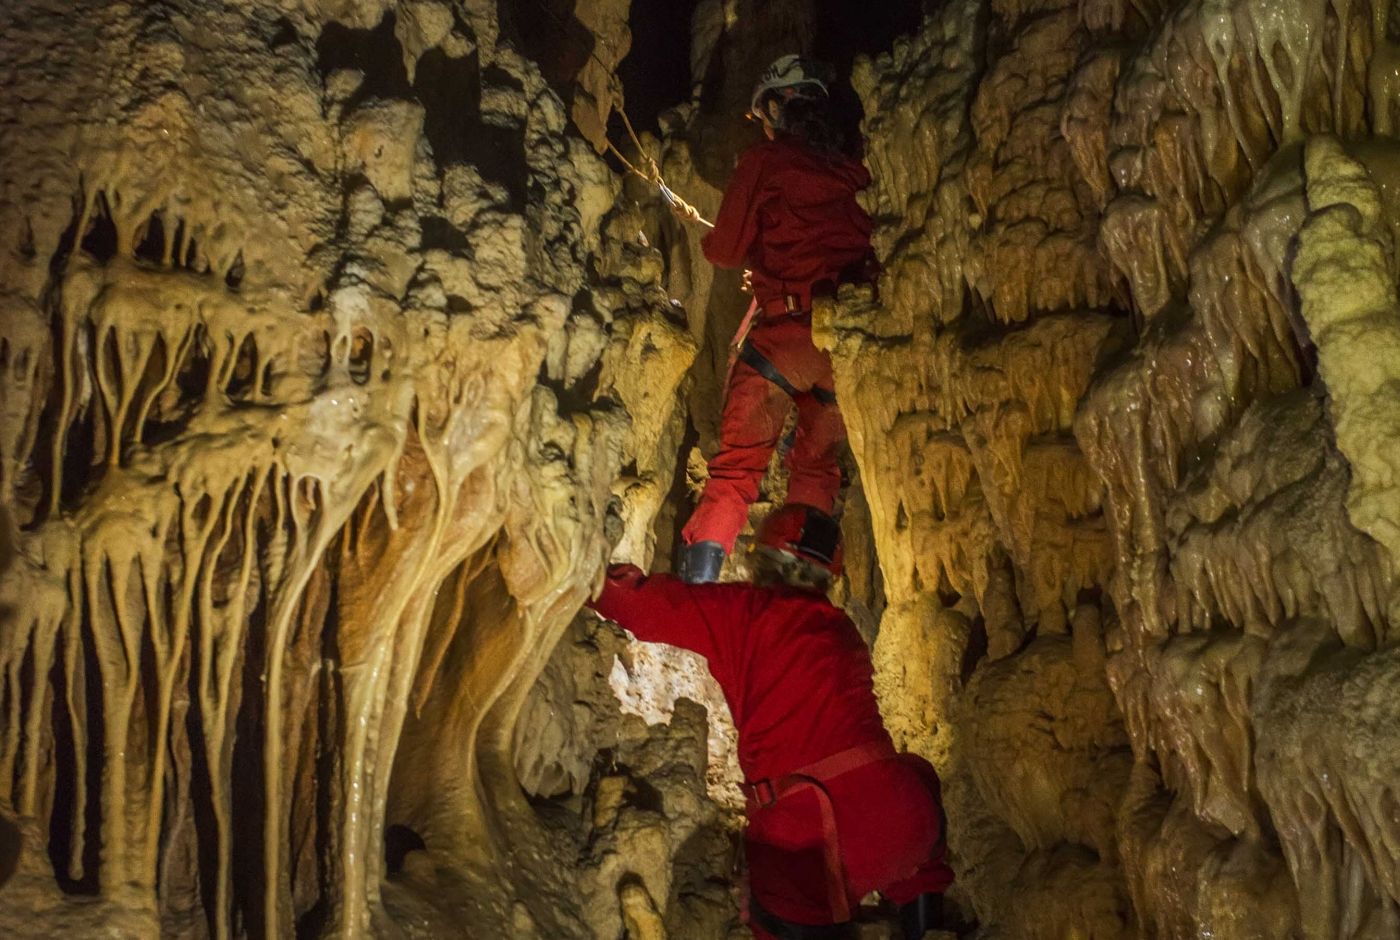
661,609
728,243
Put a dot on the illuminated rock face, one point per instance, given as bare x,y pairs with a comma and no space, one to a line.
324,352
1139,306
334,365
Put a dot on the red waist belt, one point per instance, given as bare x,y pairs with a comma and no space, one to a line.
787,305
766,792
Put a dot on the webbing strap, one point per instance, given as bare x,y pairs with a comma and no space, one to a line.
794,303
766,792
740,338
845,761
760,363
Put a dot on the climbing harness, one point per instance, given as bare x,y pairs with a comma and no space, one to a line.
751,357
741,350
740,337
789,304
764,793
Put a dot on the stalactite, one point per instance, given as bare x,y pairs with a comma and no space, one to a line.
245,507
1199,491
1346,208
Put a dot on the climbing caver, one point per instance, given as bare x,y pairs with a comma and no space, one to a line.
834,812
790,215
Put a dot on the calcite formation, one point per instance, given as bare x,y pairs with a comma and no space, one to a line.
324,354
335,363
1113,385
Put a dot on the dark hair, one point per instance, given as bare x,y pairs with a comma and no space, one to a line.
811,121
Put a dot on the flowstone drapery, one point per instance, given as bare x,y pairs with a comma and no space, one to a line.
317,393
1177,476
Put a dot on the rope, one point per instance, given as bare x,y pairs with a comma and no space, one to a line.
653,176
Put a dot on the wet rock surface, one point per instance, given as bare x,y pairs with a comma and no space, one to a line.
1165,475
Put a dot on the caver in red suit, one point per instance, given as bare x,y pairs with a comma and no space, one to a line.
789,215
834,813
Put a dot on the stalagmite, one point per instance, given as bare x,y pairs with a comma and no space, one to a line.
1354,329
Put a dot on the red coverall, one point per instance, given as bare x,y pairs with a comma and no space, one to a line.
789,214
797,678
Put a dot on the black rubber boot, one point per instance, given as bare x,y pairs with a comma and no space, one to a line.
701,562
921,915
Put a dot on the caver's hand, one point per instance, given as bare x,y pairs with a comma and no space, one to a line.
747,283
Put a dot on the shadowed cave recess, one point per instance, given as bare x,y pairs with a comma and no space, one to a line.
337,359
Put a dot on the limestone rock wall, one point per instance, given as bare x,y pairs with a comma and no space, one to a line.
620,735
1122,408
318,376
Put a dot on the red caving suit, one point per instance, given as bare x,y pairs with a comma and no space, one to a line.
790,215
798,680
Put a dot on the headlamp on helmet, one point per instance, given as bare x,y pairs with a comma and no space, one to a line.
791,76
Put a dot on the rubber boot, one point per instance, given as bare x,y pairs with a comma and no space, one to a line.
921,915
701,562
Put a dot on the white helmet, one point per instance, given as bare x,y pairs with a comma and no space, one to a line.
789,72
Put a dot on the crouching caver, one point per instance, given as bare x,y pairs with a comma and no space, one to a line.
790,215
833,811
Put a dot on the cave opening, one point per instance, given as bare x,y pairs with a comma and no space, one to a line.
375,53
851,28
655,75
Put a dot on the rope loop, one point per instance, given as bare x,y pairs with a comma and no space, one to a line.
616,103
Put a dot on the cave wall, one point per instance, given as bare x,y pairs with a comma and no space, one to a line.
1108,409
320,411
